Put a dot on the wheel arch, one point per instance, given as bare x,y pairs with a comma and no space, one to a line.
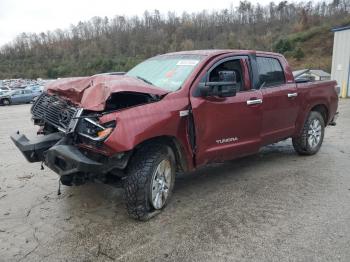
323,110
174,144
5,98
320,107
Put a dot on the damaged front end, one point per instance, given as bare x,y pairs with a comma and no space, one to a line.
71,138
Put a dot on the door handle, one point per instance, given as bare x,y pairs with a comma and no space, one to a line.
254,102
290,95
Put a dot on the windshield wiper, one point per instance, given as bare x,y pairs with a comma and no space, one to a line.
145,80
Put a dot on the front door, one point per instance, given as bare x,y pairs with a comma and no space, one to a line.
16,97
227,127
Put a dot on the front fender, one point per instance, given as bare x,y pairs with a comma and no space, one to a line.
139,124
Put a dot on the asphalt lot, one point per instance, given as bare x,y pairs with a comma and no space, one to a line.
274,206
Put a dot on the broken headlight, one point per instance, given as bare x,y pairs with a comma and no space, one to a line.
91,129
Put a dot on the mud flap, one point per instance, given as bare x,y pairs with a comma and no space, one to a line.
333,122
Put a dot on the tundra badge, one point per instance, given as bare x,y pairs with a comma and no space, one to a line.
227,140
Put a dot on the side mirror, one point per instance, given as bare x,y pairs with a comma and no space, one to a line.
302,80
225,87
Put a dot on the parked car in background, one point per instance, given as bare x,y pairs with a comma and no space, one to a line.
35,88
310,75
17,97
4,89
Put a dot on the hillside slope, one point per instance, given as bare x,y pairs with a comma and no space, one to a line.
317,46
301,31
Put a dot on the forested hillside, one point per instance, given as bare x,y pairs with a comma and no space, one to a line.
299,30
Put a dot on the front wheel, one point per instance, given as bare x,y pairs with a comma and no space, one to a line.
150,181
311,138
6,102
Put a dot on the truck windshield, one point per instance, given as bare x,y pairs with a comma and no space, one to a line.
168,72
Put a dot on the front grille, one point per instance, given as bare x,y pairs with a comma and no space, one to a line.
55,111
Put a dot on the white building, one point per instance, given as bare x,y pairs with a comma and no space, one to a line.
341,59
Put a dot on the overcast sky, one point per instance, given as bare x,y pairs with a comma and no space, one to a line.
17,16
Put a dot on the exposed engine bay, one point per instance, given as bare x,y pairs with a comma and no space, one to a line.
54,114
124,100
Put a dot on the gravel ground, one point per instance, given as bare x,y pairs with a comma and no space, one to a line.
274,206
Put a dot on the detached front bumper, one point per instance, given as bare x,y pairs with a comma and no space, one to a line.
33,150
62,158
66,159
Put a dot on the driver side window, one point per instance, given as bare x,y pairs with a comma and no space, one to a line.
231,65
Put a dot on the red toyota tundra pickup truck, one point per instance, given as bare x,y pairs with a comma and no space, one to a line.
174,113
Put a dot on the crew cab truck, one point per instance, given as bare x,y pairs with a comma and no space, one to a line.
174,113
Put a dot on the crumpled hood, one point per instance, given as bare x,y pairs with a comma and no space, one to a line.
92,92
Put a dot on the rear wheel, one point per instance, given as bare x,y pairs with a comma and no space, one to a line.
310,141
150,181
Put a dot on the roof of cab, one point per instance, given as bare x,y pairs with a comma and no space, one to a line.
215,52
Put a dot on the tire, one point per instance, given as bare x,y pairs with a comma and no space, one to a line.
147,188
6,102
311,138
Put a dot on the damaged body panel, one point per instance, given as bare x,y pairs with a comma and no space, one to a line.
174,113
81,90
84,106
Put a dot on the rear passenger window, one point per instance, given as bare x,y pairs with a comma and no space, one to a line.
270,72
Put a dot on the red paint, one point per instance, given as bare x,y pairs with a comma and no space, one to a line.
215,118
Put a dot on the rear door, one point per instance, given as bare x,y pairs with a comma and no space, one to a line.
28,96
280,100
226,127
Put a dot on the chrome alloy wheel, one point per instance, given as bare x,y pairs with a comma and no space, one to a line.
160,185
314,133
